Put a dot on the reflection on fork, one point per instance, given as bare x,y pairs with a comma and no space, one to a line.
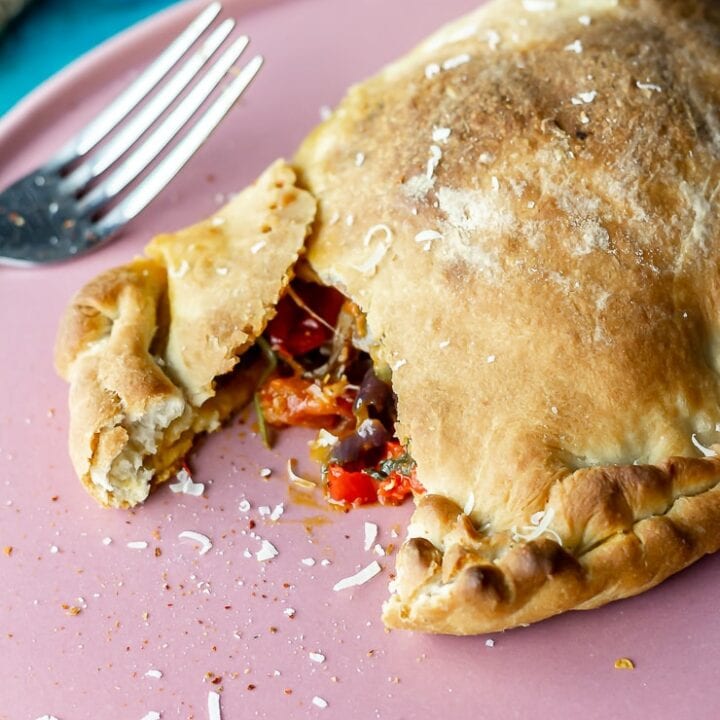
79,198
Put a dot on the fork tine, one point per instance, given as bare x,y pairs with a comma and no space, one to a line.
153,146
101,125
155,182
131,132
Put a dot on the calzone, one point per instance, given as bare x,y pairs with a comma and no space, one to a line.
521,216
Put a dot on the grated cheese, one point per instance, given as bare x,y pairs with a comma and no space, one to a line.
244,506
584,98
359,578
214,706
203,540
186,486
431,70
469,504
326,439
576,47
259,245
267,552
137,545
706,451
539,525
308,561
427,237
371,532
106,540
378,253
359,159
433,162
585,20
293,477
154,674
648,86
457,61
319,702
152,715
277,511
441,134
316,657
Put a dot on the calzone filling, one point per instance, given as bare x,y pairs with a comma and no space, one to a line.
319,374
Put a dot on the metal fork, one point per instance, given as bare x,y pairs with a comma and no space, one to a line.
56,212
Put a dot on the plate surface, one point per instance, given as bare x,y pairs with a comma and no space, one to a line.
223,614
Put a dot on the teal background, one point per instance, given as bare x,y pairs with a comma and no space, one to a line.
49,34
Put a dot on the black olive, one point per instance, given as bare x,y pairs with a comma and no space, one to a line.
373,393
370,436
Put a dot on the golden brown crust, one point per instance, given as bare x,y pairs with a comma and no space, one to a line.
533,238
142,345
226,274
619,531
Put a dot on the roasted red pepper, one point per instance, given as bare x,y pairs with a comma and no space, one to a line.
294,330
353,488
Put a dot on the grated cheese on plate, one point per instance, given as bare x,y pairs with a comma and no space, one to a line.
185,484
294,477
214,706
267,551
203,540
371,532
359,578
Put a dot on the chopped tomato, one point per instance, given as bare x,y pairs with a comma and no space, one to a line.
297,401
294,330
354,488
397,487
402,480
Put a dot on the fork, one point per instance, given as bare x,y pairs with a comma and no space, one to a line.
79,199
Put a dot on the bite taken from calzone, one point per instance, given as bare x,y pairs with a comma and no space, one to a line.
516,231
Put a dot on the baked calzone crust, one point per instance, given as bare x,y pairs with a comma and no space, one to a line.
525,208
149,348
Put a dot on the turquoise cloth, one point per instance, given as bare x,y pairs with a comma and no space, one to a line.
49,34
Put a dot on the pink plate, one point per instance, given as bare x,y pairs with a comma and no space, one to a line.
223,620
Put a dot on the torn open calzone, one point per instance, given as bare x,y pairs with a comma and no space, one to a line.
521,215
